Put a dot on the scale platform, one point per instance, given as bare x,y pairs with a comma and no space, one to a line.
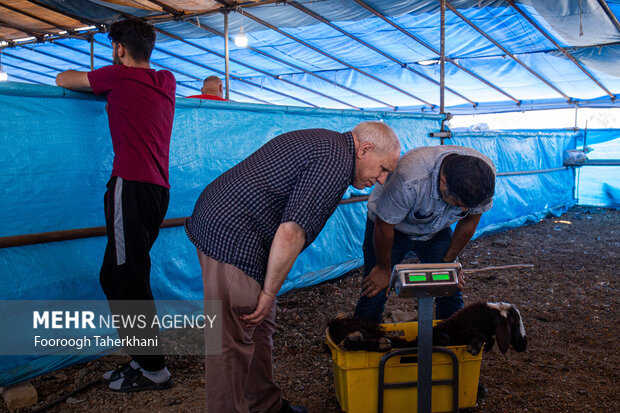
425,280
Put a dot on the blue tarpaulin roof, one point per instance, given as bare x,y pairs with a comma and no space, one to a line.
368,54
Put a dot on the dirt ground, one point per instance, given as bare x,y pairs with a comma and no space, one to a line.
568,300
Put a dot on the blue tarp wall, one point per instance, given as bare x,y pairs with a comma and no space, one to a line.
600,185
56,157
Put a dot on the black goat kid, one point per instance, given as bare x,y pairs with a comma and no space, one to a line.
476,325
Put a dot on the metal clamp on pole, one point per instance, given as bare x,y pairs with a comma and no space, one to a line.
444,132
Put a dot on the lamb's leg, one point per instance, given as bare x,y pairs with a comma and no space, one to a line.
475,344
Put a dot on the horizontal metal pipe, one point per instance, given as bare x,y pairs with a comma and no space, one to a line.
539,171
598,162
70,234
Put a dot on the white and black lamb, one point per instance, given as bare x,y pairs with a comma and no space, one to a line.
474,326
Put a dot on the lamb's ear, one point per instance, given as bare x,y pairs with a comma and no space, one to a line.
502,334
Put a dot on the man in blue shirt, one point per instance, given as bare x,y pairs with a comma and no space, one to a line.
431,188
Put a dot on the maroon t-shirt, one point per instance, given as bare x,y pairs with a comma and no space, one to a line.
140,112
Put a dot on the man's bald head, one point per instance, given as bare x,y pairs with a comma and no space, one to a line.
212,86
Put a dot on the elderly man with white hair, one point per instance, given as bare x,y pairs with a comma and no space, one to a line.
249,226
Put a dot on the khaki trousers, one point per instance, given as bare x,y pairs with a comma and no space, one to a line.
241,378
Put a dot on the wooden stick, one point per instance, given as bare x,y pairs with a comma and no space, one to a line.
502,267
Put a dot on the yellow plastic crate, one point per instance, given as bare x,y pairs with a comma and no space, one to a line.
356,377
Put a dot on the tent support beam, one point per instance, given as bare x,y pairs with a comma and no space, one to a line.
207,50
39,35
560,48
322,19
71,234
432,49
302,70
92,52
227,56
51,38
274,28
443,133
32,16
507,52
609,13
99,25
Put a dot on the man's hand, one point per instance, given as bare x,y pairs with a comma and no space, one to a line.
376,281
265,302
461,279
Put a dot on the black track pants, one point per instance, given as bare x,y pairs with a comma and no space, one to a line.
134,212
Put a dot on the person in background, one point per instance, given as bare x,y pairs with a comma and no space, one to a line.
250,224
140,112
211,89
431,188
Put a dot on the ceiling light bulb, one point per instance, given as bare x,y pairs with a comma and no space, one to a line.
241,40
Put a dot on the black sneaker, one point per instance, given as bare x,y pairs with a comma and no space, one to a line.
287,408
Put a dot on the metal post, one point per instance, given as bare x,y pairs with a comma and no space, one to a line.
425,353
92,53
226,57
442,59
442,64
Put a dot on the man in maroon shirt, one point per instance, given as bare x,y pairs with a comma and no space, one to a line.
140,113
211,89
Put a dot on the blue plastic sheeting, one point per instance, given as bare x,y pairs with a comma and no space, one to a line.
348,72
526,196
600,185
56,158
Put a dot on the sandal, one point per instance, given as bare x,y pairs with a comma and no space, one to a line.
135,381
118,373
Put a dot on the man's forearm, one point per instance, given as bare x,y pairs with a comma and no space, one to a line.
286,246
384,240
74,80
463,232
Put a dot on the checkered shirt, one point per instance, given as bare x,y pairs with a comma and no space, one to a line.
299,176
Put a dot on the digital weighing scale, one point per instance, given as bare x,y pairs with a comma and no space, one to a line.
425,281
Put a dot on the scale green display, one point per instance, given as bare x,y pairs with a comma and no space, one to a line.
425,280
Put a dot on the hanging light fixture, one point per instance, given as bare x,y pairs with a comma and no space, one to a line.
241,40
3,75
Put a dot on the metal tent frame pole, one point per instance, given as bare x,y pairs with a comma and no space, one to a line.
609,13
227,56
